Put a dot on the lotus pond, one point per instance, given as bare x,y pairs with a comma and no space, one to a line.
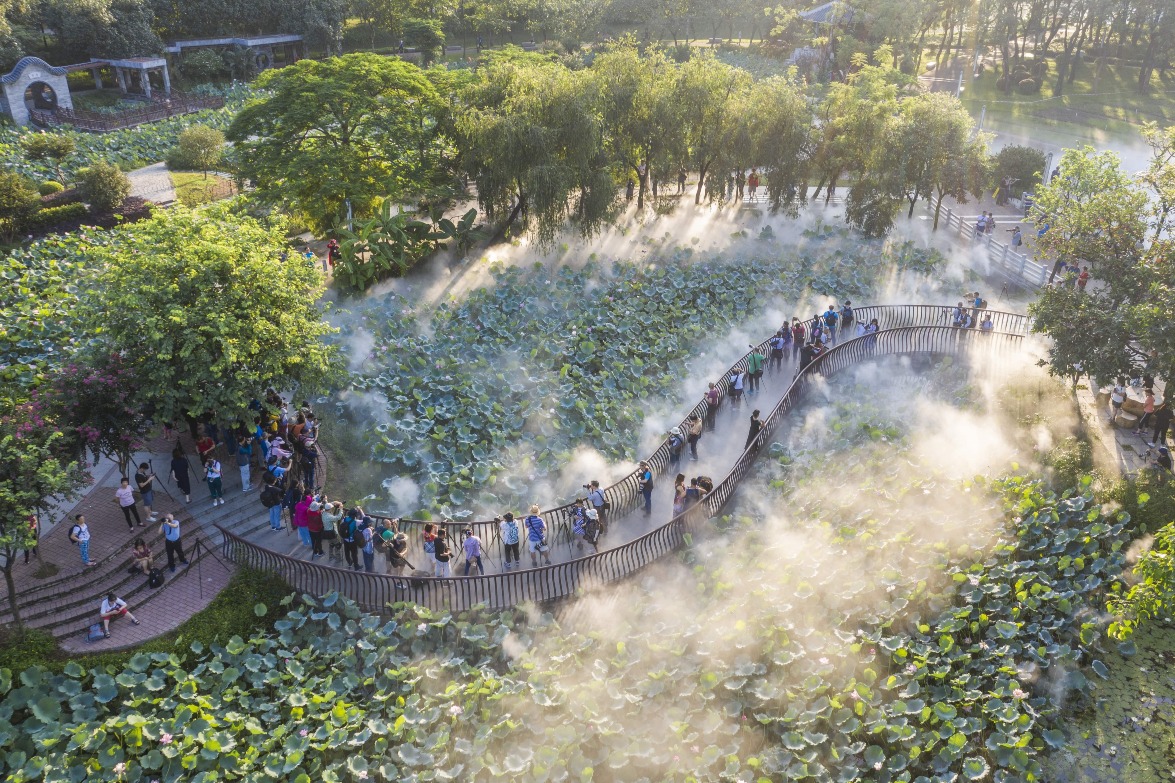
483,397
860,617
129,148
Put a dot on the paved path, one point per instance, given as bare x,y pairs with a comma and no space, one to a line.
1125,450
152,183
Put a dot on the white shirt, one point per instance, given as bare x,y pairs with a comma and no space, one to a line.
107,607
125,495
214,470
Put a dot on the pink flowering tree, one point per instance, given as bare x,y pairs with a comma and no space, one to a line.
99,408
35,468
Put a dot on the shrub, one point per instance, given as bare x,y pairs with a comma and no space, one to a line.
1040,70
203,65
1028,86
1001,83
18,198
67,196
54,218
177,160
49,187
51,146
201,146
104,186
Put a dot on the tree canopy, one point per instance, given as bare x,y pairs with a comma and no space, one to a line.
207,311
358,127
1099,217
533,143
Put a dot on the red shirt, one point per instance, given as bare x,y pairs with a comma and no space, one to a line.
314,521
205,445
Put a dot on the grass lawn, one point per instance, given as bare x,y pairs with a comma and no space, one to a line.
192,189
1106,111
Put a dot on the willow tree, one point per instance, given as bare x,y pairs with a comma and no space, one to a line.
642,113
708,94
532,140
779,124
942,154
853,120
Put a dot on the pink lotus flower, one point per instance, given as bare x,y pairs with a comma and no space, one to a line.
165,739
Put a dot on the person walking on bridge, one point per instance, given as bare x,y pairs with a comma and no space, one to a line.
755,429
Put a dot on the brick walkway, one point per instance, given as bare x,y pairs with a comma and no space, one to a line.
66,603
1125,450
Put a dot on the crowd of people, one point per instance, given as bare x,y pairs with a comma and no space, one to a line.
965,317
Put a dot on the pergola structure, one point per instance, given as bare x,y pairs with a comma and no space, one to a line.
133,74
266,51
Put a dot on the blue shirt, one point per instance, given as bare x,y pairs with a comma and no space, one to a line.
171,531
535,528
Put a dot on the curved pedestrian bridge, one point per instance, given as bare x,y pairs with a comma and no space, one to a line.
635,540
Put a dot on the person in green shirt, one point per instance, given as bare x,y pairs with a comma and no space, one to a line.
755,363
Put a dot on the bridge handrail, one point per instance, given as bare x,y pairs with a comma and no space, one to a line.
624,496
563,580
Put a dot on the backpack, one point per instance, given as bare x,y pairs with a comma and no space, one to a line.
848,311
271,496
95,633
675,445
75,531
155,578
830,319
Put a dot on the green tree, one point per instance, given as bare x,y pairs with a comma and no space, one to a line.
33,472
709,93
532,142
49,146
1159,175
1098,217
426,36
104,28
207,313
359,127
943,154
1018,169
103,186
641,115
202,146
18,199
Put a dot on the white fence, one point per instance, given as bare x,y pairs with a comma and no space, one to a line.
1016,263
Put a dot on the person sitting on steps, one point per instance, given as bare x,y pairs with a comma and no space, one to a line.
112,607
141,556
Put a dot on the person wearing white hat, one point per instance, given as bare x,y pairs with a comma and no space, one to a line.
676,443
